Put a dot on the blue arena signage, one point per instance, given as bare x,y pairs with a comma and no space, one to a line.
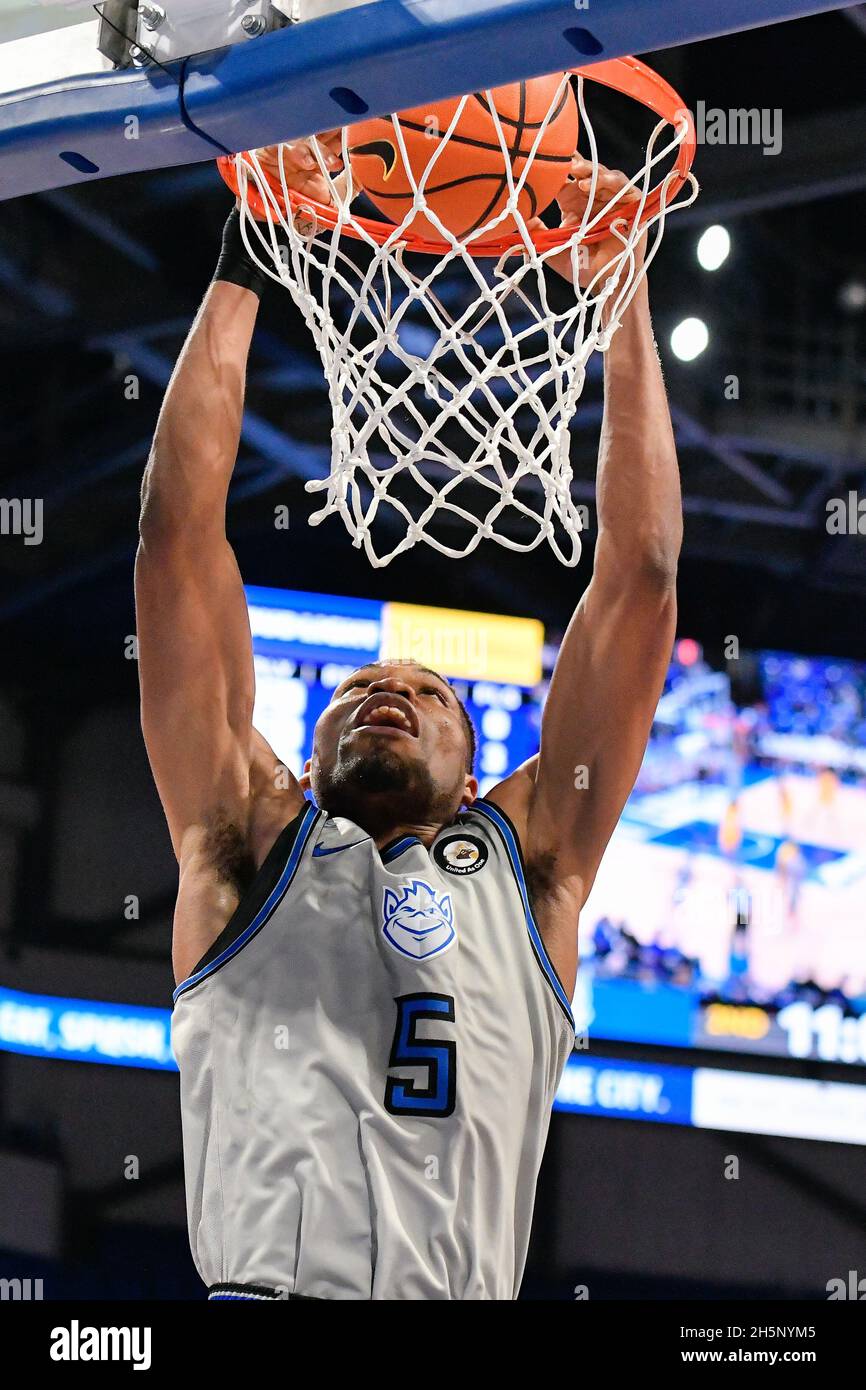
84,1030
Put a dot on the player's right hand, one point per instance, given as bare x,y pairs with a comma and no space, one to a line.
300,166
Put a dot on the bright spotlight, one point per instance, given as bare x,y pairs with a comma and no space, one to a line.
689,339
714,246
852,296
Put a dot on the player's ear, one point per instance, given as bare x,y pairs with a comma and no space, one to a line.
470,790
304,779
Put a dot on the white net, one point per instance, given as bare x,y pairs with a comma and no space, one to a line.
454,379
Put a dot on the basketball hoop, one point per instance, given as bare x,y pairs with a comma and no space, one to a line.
468,408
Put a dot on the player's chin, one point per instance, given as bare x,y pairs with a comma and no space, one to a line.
381,763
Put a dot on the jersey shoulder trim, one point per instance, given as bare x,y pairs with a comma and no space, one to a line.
510,840
263,896
395,848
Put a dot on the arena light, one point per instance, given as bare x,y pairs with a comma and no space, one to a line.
714,247
852,296
689,339
687,651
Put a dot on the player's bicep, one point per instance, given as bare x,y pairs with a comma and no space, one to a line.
196,676
597,720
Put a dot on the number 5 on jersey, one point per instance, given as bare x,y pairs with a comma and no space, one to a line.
434,1094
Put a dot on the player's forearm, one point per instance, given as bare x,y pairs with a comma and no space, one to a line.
638,487
197,436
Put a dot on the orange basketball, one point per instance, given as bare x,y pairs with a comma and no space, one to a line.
468,184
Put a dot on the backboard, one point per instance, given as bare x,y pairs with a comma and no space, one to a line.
192,79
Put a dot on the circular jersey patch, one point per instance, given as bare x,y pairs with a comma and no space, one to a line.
461,854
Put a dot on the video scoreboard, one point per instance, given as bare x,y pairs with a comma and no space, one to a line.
729,913
730,909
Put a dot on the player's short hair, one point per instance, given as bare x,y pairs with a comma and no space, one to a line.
468,726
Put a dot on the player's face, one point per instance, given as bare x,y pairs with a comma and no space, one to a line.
392,732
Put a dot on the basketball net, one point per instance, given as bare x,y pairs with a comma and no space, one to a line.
452,420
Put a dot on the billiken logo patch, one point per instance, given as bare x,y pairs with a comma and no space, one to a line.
417,921
461,854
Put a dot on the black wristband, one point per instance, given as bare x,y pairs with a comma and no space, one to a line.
235,263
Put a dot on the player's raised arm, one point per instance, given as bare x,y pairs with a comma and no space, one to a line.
195,648
612,663
195,653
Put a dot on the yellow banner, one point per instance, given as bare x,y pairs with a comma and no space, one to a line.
467,646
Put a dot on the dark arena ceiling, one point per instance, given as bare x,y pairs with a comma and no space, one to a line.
99,285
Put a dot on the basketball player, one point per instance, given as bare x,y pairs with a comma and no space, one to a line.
374,965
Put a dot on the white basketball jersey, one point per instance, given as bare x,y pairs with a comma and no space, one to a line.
368,1057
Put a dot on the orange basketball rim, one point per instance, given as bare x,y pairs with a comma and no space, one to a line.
627,75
